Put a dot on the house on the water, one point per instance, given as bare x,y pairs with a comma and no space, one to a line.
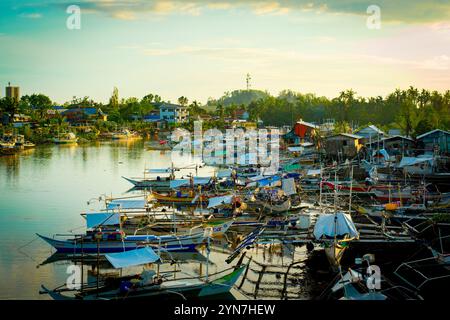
434,141
173,113
302,132
84,115
395,145
343,146
370,133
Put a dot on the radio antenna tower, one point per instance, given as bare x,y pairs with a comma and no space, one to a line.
247,79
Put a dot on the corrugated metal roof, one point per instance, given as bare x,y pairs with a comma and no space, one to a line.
431,132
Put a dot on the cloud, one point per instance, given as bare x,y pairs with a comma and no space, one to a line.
406,11
441,63
31,15
124,15
270,56
264,8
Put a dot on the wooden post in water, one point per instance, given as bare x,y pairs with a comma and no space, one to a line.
98,262
82,263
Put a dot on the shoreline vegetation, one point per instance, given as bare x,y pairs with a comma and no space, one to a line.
411,112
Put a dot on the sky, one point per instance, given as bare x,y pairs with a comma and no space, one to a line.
201,49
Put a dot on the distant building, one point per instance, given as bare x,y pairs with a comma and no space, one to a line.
435,140
396,145
173,113
301,132
343,145
91,114
370,133
54,111
12,92
19,120
394,132
241,114
327,127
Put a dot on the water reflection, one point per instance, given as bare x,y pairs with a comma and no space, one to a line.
44,192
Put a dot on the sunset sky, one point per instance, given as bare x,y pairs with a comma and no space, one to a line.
201,49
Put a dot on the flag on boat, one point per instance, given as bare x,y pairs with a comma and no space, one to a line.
132,257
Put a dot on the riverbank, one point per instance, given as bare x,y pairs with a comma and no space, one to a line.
45,134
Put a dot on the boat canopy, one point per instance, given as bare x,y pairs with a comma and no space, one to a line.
248,158
411,161
132,257
381,152
178,183
313,172
184,182
224,173
288,186
295,149
217,201
125,204
338,224
102,219
267,181
168,170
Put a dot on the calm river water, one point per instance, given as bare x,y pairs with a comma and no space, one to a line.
45,190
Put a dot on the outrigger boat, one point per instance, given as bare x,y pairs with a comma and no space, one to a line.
182,198
11,144
150,283
162,181
66,138
103,237
124,135
113,241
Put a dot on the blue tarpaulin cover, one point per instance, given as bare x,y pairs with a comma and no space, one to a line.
337,224
158,170
217,201
126,204
102,219
224,173
132,258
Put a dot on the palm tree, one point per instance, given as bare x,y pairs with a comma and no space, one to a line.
183,101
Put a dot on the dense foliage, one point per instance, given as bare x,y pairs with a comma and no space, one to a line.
413,111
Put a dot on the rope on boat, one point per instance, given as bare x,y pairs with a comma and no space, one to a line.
25,245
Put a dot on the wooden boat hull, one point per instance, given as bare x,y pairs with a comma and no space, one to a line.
175,288
166,243
160,185
184,200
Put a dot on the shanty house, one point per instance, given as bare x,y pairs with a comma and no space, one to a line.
343,145
435,140
371,133
302,132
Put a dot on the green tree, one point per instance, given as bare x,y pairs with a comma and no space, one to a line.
183,101
114,100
